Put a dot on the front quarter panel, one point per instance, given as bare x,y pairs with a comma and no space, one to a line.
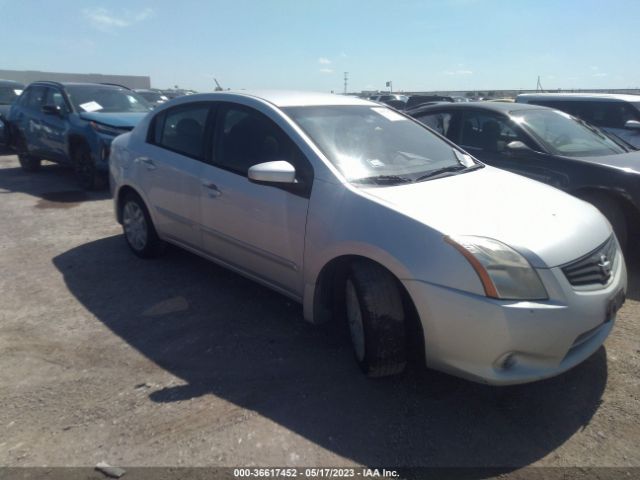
343,220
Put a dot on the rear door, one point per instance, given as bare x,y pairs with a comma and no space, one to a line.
28,119
258,229
170,166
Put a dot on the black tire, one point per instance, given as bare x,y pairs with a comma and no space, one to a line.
29,163
152,246
380,340
613,211
88,176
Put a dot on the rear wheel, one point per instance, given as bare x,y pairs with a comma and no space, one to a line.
138,228
376,319
88,176
29,163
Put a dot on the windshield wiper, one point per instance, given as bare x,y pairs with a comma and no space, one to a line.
451,169
383,179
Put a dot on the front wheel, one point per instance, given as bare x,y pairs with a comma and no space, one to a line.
376,319
88,176
29,163
138,228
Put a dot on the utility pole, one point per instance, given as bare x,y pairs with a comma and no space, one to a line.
346,81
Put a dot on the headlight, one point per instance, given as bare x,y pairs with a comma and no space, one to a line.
504,273
106,130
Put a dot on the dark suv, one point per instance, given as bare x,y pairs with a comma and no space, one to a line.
9,91
613,113
73,124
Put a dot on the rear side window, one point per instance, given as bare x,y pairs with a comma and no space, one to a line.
182,130
36,98
440,122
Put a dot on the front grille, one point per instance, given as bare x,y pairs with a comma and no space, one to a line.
594,268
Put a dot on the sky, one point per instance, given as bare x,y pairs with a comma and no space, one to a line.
308,44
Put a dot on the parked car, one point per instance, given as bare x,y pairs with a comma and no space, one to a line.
154,97
385,97
9,91
415,100
73,124
613,113
350,207
552,147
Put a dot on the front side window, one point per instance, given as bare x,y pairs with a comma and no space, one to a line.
561,134
487,131
54,97
36,98
182,130
440,122
106,99
376,143
246,138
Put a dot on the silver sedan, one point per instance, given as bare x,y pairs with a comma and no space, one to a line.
361,213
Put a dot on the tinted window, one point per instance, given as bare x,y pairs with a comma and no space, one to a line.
54,97
487,131
182,129
247,137
36,98
440,122
8,93
599,113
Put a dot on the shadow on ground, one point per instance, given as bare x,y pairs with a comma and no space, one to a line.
55,186
227,336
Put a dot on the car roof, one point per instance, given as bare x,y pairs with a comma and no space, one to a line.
503,107
287,98
582,96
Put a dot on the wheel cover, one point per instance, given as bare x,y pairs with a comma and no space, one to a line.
354,318
135,226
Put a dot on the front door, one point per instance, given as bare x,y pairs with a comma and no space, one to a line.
259,229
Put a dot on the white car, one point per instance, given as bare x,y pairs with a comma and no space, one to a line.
358,211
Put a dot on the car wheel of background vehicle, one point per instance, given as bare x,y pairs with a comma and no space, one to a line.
138,228
88,177
376,319
29,163
611,209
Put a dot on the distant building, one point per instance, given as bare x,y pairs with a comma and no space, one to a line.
28,76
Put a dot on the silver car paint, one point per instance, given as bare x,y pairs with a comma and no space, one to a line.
286,244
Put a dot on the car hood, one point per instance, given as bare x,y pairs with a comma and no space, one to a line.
546,225
117,120
629,162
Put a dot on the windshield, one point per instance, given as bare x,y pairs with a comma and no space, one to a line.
366,142
105,99
8,93
561,134
153,96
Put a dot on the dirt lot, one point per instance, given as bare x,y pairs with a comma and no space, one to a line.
105,357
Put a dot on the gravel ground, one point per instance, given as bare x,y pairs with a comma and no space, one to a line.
106,357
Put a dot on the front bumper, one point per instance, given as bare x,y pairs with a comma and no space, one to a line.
504,342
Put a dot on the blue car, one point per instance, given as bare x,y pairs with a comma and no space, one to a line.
73,124
9,91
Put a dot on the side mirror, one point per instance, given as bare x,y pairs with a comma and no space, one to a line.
632,125
517,146
273,172
52,110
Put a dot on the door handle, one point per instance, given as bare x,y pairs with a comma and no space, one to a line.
148,163
213,189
